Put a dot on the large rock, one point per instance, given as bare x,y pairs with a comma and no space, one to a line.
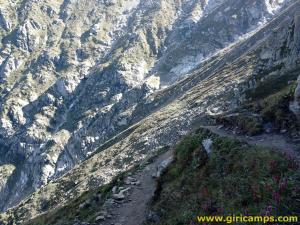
9,65
4,23
295,105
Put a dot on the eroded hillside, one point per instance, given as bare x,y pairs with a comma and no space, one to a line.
112,121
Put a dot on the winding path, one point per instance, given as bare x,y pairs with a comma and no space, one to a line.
276,142
133,209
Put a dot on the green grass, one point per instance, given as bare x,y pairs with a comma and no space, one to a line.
275,109
269,108
93,199
65,215
276,106
271,84
235,179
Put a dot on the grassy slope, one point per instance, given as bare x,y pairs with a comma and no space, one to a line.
268,103
235,179
85,208
89,205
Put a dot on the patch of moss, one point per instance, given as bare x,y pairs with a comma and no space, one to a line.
235,179
276,105
274,109
272,84
245,123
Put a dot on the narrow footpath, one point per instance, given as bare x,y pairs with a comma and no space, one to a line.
129,205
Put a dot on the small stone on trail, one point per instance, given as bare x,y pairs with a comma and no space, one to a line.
100,218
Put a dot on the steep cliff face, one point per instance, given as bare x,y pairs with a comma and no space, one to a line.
79,75
295,106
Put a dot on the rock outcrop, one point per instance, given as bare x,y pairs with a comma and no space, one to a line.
295,105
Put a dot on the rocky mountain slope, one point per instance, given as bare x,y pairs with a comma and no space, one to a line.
89,92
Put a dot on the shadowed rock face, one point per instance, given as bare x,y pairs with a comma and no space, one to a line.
76,74
295,105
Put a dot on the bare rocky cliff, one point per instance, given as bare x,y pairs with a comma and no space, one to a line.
91,88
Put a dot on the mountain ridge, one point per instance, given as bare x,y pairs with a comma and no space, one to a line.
150,131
